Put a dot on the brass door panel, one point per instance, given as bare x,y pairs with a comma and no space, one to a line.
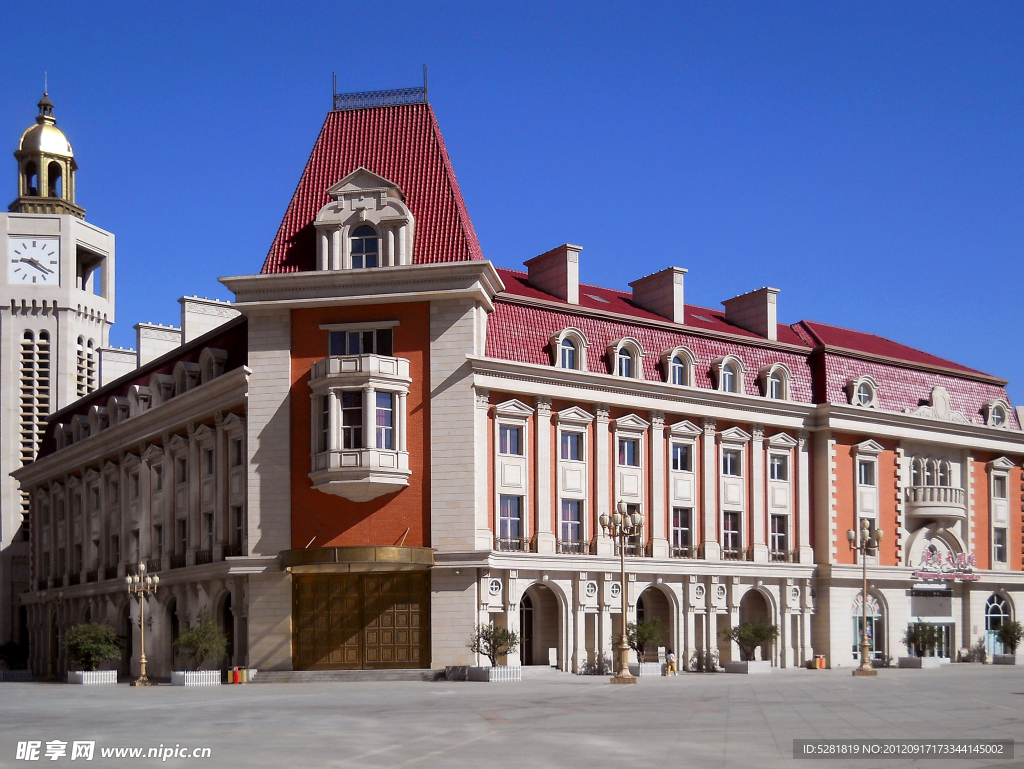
355,621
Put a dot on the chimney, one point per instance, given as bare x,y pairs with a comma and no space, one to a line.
557,272
661,293
201,315
153,340
755,311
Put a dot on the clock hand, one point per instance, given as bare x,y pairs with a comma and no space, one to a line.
35,263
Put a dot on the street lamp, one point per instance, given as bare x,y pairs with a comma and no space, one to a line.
867,543
620,526
51,599
141,585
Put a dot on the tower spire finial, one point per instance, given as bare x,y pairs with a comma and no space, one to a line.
46,88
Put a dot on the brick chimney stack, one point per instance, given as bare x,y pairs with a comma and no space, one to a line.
557,272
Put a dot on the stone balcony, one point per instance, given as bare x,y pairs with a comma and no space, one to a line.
360,474
935,503
351,370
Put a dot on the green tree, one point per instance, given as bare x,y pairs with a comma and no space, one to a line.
749,635
921,639
493,641
641,635
204,640
90,644
1010,633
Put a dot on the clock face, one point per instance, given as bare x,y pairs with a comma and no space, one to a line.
33,261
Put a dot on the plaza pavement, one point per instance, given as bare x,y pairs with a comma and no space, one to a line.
694,720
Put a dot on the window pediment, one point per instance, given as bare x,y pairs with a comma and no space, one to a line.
630,423
679,363
625,358
782,440
734,435
109,468
562,356
997,413
869,447
205,433
729,374
684,429
177,443
574,415
774,381
862,391
513,409
1001,463
153,453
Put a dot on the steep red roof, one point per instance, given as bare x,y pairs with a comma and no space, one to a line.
859,341
621,302
404,145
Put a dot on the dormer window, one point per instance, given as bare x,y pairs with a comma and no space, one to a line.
365,247
863,391
569,349
775,381
626,358
678,364
997,413
678,371
729,373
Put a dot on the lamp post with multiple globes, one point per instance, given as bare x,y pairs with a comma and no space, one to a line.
620,526
142,585
867,543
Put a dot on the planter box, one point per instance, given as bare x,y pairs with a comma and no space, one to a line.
92,677
920,662
497,674
647,669
751,667
1008,659
196,677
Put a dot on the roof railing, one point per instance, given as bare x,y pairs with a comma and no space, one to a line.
388,98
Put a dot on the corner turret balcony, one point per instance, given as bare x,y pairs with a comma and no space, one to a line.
935,503
359,407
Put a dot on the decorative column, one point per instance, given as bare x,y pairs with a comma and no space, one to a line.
711,625
195,501
688,647
400,417
400,250
760,549
483,537
369,417
579,656
323,250
734,620
542,474
803,500
102,556
145,505
659,513
335,262
125,524
220,487
512,617
602,470
605,630
709,484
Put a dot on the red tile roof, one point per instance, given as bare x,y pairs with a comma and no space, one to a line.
401,143
621,302
859,341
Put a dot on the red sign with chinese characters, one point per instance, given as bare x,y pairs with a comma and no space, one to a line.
947,567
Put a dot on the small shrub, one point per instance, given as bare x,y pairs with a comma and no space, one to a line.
90,644
1010,633
493,642
921,639
978,651
640,635
749,635
204,640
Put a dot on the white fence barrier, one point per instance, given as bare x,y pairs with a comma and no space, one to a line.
92,677
196,677
499,674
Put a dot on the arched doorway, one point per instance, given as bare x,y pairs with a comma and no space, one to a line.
997,611
653,606
540,625
754,608
227,622
875,626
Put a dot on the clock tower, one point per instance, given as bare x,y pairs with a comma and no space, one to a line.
56,309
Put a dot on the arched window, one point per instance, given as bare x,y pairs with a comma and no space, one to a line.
729,377
774,380
678,371
775,386
998,416
625,367
567,357
53,180
863,395
862,391
917,472
365,247
944,479
929,472
996,612
31,179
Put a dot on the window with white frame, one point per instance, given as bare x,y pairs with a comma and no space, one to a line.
997,413
732,543
779,538
510,440
567,352
865,478
629,452
681,543
625,363
510,522
728,372
364,246
999,491
370,341
572,446
778,467
682,457
626,358
679,363
866,472
732,462
571,521
775,381
385,425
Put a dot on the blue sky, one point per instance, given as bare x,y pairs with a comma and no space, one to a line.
865,158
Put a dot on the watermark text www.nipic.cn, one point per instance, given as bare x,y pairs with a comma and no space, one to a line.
53,750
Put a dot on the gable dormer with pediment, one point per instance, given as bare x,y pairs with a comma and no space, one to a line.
366,225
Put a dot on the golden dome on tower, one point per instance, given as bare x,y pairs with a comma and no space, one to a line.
44,136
